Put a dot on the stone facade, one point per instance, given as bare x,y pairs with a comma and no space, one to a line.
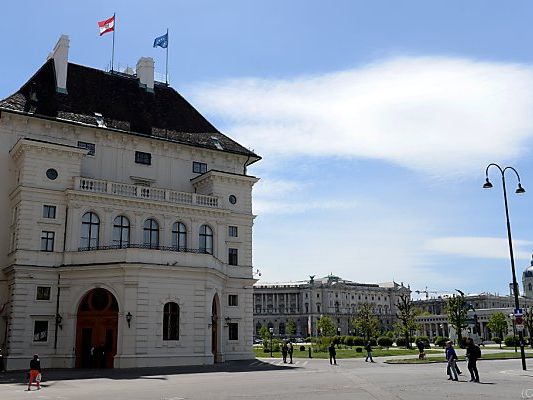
171,298
304,302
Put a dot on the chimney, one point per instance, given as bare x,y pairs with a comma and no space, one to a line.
60,56
145,72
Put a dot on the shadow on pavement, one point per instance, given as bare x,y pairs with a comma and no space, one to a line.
158,373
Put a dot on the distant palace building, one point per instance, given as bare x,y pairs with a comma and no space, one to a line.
127,224
304,302
434,321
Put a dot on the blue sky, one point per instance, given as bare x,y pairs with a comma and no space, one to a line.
375,120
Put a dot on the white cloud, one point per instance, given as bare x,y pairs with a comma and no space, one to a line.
433,114
280,196
480,247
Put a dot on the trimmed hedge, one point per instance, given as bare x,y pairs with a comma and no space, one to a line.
384,341
511,341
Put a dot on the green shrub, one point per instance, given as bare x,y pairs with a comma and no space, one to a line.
511,341
302,348
358,349
441,341
349,341
400,342
358,341
385,341
373,342
497,339
423,339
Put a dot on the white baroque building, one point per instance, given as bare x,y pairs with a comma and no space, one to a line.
304,302
127,224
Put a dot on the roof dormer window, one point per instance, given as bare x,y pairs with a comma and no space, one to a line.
216,142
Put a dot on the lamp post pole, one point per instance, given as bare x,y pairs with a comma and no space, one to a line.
514,331
271,330
519,190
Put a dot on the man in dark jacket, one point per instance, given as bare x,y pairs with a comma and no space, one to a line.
472,354
332,353
368,348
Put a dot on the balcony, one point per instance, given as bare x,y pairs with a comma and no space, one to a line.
145,192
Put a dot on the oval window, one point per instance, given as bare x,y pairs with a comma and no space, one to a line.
232,199
51,174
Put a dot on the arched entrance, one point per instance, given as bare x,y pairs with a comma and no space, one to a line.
214,330
96,330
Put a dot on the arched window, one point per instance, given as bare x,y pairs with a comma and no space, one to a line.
206,239
179,236
171,319
121,231
151,233
90,226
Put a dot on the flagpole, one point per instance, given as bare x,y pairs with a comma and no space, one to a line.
166,73
113,51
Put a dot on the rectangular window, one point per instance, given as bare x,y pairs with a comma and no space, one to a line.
233,331
199,167
233,257
40,331
143,158
43,293
88,146
233,231
49,211
233,300
47,241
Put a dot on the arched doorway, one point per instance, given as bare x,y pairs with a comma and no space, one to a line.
96,330
214,330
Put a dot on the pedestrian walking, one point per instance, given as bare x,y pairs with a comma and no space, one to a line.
284,351
290,349
332,354
451,357
368,348
473,352
35,372
421,347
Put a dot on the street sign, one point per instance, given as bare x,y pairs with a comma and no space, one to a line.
518,320
520,327
518,312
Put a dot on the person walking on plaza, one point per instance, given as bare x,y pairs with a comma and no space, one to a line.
284,350
451,357
472,354
368,348
290,349
332,353
35,372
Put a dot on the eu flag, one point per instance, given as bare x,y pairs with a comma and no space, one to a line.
161,41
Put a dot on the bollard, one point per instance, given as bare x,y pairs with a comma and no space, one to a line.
310,356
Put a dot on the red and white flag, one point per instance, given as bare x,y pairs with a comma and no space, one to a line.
107,26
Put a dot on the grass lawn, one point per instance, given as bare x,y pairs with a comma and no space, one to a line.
344,353
434,359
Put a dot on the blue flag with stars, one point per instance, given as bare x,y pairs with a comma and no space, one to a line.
161,41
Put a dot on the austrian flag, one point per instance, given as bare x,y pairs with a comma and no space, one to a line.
107,26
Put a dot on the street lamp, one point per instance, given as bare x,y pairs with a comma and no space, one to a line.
519,190
271,330
514,331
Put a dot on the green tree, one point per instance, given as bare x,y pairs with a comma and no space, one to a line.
406,315
325,326
457,312
498,324
265,336
291,328
365,320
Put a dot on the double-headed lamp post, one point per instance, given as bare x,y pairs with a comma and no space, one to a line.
519,190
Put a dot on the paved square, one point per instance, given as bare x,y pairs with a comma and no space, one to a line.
271,379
